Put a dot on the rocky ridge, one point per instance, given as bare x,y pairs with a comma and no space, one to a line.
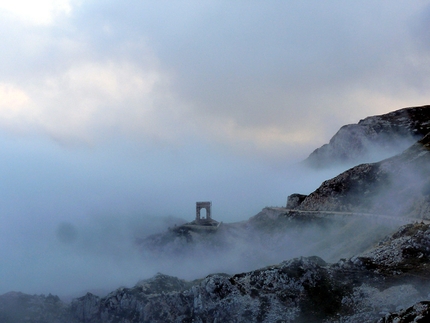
362,288
377,137
398,185
365,288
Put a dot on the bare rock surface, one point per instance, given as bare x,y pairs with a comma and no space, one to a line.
381,284
398,185
419,313
373,138
294,200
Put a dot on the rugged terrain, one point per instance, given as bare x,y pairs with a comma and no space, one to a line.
399,186
359,289
365,288
373,138
349,259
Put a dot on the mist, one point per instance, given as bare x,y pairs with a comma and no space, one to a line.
116,118
71,216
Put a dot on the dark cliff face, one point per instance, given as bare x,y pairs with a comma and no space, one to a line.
373,138
399,185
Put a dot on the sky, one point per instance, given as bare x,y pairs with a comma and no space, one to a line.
117,115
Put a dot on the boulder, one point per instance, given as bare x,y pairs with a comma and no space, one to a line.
294,200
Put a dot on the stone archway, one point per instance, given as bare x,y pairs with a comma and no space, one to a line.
206,206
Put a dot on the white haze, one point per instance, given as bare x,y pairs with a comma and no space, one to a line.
116,117
71,218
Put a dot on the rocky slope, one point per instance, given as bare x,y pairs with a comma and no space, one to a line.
399,185
373,138
420,312
388,278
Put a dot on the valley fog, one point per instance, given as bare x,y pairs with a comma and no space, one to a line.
71,221
117,117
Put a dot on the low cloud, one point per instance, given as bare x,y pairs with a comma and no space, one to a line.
85,102
251,79
112,115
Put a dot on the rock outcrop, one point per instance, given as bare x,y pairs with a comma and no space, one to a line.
373,138
386,283
398,185
294,200
363,288
419,313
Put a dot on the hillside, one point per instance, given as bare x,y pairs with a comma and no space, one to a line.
364,288
399,186
373,138
358,289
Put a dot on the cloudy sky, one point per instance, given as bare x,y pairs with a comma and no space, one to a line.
116,112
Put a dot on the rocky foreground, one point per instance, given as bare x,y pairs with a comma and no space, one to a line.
364,288
386,283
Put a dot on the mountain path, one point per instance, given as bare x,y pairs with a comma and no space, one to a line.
405,220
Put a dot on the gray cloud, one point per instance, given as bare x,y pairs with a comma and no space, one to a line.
277,65
246,75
